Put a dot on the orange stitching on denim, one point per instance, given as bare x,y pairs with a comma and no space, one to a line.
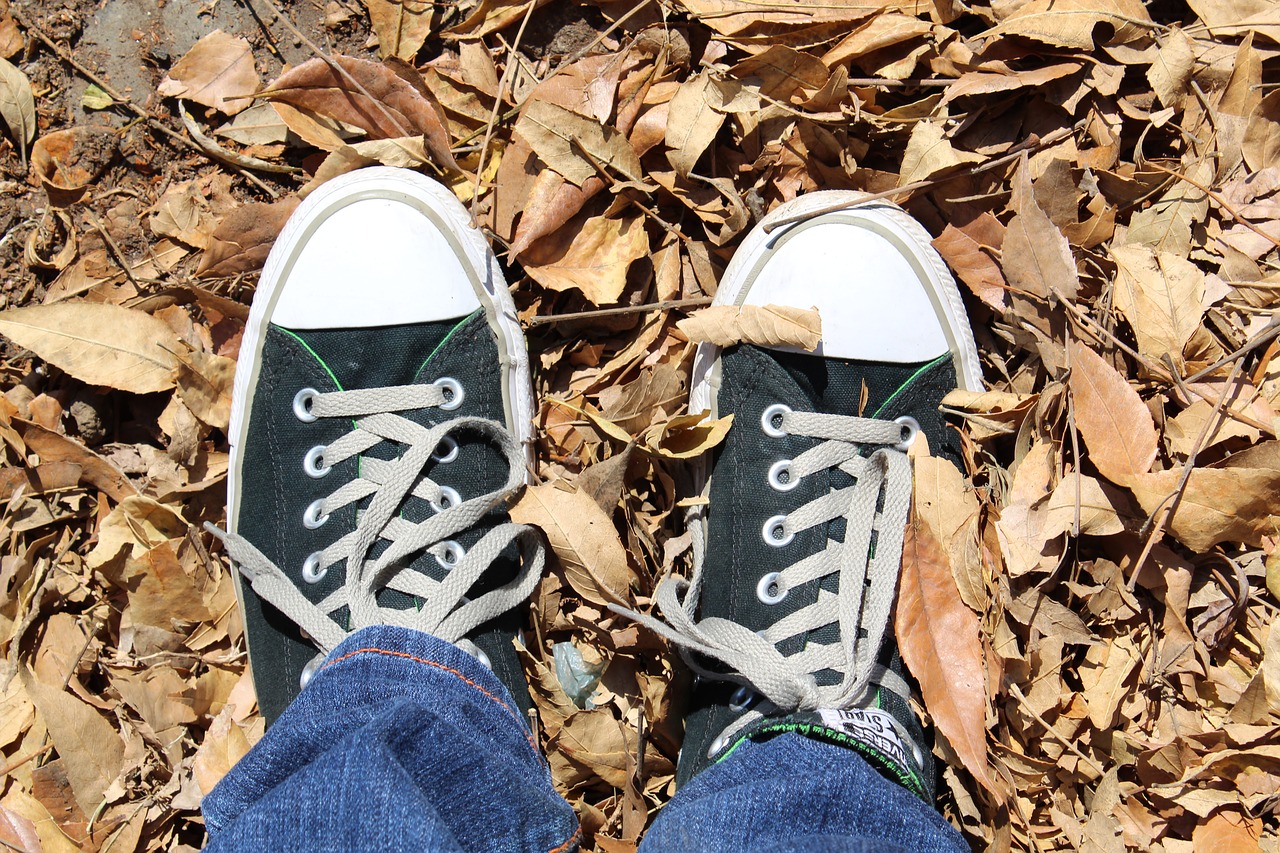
573,840
440,666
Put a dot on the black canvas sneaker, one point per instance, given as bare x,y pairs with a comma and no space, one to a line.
786,619
381,417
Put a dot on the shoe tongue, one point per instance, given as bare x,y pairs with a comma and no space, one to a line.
380,356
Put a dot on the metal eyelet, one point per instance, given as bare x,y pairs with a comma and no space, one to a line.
309,671
770,589
483,658
451,555
449,498
716,746
771,414
302,405
311,569
741,699
313,462
774,532
453,392
780,470
312,517
450,453
910,428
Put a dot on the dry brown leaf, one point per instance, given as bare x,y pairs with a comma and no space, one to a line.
1166,225
260,124
223,745
244,238
217,72
687,436
595,739
692,123
780,72
402,26
138,523
1235,17
1115,424
95,470
18,833
1170,73
1218,504
1228,831
940,643
950,511
592,257
204,383
761,325
1106,676
930,154
17,104
89,747
67,161
1261,143
1162,296
1071,23
391,109
1081,505
98,343
1037,257
574,145
730,17
583,538
968,251
181,213
1026,539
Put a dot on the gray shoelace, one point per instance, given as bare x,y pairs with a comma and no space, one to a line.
445,610
867,581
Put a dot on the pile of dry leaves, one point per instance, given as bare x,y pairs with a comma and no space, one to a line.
1087,606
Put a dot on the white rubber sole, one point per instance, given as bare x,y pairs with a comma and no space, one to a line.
889,222
477,259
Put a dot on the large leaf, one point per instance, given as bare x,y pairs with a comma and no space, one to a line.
762,325
1161,295
217,72
592,258
583,538
939,640
17,105
98,343
366,95
1114,422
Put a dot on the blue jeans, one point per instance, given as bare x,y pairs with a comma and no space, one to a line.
405,742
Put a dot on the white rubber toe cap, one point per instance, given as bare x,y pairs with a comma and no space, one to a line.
881,289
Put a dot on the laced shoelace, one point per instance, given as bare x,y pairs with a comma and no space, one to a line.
878,502
444,611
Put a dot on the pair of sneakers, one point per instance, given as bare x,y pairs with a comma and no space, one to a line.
382,417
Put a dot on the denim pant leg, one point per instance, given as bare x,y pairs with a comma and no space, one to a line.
401,742
793,793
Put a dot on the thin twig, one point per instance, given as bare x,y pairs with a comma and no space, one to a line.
1265,336
1170,504
231,158
115,251
667,305
335,67
493,114
18,762
1034,143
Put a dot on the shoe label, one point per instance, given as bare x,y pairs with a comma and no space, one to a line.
871,726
